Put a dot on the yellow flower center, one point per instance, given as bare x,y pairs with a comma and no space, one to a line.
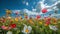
27,30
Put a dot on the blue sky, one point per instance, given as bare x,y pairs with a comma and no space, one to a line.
21,4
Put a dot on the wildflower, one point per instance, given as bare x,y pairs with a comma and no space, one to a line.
4,27
9,32
48,22
53,27
16,19
13,25
44,10
27,29
8,11
45,24
38,16
8,17
40,22
11,20
48,19
30,21
20,18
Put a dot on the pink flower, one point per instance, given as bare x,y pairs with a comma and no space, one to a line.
4,27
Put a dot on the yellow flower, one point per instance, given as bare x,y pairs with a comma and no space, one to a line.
16,19
30,21
8,11
40,22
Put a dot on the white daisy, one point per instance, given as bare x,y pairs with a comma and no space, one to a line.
9,32
27,29
53,27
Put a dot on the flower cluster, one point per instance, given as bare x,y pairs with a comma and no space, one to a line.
26,25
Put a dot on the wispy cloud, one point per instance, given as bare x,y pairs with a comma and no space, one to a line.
40,5
32,12
14,11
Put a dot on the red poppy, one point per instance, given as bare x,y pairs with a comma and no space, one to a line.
48,19
48,22
44,10
13,25
38,16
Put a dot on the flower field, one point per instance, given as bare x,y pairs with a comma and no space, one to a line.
19,25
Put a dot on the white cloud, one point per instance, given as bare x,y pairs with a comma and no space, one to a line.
14,11
27,3
54,0
49,10
33,9
54,15
40,6
31,12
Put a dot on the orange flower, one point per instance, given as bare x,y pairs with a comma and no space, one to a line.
16,19
30,21
46,24
54,20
